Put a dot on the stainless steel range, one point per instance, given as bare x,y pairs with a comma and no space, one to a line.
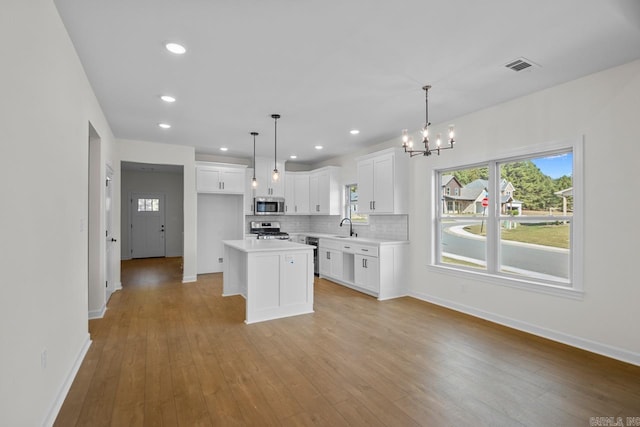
268,230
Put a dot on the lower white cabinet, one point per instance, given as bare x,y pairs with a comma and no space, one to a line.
366,272
330,262
378,269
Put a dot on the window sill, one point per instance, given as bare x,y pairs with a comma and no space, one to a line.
528,285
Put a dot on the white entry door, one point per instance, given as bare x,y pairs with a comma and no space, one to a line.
147,225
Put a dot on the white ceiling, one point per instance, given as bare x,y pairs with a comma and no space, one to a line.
329,66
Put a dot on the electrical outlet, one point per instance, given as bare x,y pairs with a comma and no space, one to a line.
220,260
43,359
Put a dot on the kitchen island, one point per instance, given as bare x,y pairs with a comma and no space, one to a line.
274,276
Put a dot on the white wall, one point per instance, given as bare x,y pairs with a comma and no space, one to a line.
220,217
165,154
45,110
604,108
168,183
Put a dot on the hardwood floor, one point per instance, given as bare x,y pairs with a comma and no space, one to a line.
169,354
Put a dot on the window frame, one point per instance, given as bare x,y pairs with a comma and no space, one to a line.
575,286
347,206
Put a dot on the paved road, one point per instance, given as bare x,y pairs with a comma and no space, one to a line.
516,256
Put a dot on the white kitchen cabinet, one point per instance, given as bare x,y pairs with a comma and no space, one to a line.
275,277
297,193
367,272
378,269
267,187
383,182
324,191
330,262
220,178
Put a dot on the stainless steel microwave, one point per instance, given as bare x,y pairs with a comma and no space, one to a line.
268,206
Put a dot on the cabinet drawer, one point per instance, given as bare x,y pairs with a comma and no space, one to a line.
330,244
359,249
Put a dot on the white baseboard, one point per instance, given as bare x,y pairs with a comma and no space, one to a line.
66,386
189,279
574,341
97,314
117,286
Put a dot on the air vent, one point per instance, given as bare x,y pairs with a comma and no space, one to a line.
520,64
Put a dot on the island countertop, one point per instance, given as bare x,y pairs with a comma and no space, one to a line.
265,245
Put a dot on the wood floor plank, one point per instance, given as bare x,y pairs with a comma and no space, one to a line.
173,354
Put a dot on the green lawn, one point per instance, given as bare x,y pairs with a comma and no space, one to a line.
556,235
447,260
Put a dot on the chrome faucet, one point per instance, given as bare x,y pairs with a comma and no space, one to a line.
350,225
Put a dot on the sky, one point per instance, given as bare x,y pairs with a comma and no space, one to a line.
556,166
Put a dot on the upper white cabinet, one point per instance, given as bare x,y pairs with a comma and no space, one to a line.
267,187
383,179
324,191
220,178
297,193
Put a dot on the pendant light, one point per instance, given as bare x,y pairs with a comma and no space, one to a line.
276,174
254,181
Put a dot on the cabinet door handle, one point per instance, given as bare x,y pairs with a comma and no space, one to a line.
365,250
328,255
364,263
347,247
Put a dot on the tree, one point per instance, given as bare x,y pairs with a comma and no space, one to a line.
465,176
532,187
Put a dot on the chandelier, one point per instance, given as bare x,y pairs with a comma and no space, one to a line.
407,140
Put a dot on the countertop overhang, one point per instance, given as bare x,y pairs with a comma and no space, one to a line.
265,245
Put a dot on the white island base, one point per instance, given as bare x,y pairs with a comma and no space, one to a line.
274,276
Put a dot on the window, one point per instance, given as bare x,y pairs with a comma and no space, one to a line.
515,219
351,205
148,205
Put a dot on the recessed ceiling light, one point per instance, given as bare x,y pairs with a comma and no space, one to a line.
319,147
176,48
354,131
164,125
223,148
168,98
293,156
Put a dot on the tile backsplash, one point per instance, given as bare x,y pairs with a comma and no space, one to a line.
391,227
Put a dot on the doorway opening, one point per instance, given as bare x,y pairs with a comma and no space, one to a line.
152,214
97,262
